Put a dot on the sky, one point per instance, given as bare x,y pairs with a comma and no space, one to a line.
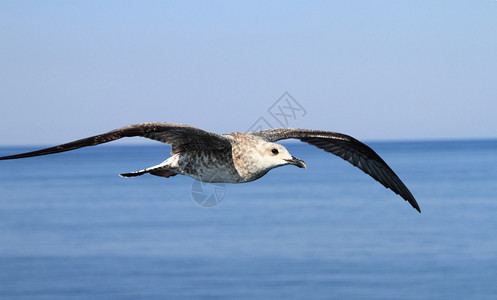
376,70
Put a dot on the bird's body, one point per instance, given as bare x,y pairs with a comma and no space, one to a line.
238,157
242,160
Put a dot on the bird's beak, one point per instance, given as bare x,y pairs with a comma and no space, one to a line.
296,162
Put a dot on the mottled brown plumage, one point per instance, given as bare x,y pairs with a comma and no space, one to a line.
238,157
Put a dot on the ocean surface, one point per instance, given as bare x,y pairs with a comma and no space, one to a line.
70,228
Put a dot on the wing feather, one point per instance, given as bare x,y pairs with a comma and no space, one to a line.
349,149
180,137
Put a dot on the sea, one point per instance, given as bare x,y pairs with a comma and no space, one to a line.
71,228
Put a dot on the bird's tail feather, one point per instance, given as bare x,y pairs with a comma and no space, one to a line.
153,171
133,174
163,169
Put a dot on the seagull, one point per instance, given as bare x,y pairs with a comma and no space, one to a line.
238,157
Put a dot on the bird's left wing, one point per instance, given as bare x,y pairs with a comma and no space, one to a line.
179,136
351,150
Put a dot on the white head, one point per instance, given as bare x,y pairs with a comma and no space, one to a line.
272,155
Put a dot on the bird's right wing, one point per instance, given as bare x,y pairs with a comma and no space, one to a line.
179,136
349,149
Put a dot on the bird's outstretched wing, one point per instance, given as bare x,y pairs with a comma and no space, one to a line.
351,150
179,136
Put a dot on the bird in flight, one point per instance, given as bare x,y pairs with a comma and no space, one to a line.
238,157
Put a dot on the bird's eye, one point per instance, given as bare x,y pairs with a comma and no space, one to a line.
275,151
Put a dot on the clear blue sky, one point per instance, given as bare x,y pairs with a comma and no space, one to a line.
380,70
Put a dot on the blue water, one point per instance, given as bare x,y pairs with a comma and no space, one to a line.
70,228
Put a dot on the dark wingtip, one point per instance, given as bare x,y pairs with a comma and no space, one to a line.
414,204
